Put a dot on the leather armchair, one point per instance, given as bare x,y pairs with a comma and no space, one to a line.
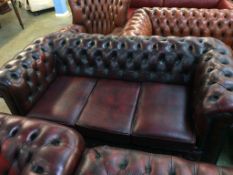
163,93
102,17
182,22
38,147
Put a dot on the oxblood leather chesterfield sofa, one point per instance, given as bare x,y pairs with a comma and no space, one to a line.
182,22
171,94
35,147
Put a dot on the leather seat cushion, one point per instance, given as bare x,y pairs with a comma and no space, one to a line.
64,100
107,109
162,114
107,160
110,108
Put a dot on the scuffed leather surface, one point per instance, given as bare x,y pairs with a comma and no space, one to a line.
99,16
158,109
111,107
106,160
184,22
64,100
39,147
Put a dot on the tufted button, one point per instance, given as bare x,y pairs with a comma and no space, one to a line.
123,165
55,142
14,131
38,169
33,135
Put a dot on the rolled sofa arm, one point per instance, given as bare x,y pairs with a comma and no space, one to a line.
213,97
225,4
24,79
138,24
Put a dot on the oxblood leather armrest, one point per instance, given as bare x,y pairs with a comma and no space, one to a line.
24,79
213,96
138,24
39,147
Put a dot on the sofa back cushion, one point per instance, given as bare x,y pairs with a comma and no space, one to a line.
168,60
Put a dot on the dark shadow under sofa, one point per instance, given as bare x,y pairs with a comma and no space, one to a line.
31,146
160,93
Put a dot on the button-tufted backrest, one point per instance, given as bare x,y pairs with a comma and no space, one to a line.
39,147
99,16
193,22
28,75
169,60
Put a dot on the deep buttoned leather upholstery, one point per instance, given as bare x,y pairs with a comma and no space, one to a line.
182,3
182,22
107,160
99,16
106,79
39,147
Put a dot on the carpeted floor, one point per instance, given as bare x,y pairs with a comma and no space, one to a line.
13,39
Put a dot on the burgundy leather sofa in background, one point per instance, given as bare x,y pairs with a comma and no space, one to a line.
209,4
37,147
182,22
168,94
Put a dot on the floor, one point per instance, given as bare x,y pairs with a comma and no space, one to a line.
13,39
